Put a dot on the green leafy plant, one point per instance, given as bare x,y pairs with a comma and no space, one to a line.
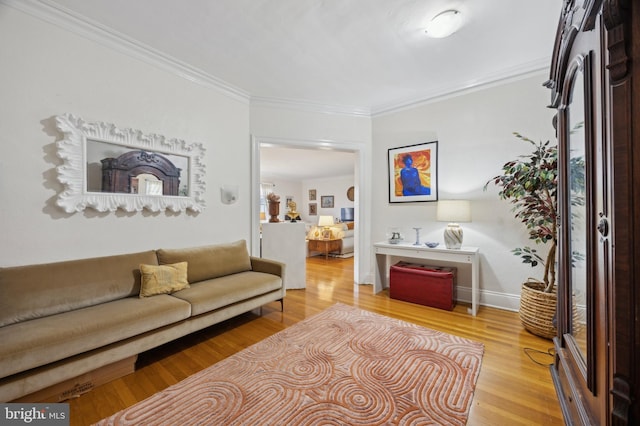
530,184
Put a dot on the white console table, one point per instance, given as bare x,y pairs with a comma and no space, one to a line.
468,255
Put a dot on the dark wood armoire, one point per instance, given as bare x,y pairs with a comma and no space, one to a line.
595,85
119,174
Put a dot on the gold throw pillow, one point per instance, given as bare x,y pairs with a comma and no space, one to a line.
163,279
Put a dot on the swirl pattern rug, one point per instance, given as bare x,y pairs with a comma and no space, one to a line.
343,366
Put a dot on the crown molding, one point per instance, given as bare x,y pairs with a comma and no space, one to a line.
507,75
81,25
299,105
62,17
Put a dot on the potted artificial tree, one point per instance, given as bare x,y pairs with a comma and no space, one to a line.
530,184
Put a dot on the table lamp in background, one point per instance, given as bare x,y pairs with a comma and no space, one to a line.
325,222
453,211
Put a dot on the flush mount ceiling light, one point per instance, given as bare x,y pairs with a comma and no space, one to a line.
444,24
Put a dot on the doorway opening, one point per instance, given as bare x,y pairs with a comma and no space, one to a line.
315,146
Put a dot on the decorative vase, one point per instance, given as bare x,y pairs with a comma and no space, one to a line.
274,211
453,236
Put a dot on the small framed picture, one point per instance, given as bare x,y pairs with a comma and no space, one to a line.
413,173
326,201
313,209
312,195
326,234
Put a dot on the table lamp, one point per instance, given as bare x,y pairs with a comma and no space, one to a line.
453,211
325,222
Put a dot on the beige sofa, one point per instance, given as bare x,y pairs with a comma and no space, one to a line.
64,319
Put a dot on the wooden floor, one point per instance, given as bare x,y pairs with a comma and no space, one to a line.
512,389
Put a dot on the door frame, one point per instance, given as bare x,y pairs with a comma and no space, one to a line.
362,244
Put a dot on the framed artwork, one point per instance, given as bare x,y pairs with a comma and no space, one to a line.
326,234
312,195
326,201
313,209
413,173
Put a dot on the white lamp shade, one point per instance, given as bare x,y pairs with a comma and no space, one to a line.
453,211
325,221
444,24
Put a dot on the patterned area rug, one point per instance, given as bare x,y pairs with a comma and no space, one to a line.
344,366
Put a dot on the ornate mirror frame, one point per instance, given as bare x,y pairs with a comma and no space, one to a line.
72,173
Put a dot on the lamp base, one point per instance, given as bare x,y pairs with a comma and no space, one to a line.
453,236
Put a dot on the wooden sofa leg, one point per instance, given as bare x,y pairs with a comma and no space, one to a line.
281,305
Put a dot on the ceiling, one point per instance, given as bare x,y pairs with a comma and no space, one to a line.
369,54
364,56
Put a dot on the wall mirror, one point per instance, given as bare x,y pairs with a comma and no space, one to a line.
107,168
578,214
577,196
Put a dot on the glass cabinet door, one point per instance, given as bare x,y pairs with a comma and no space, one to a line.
577,216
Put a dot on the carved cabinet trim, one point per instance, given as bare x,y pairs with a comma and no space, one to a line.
118,173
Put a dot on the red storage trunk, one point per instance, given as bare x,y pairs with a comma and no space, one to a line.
427,285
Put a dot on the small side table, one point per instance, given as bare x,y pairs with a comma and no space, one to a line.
325,246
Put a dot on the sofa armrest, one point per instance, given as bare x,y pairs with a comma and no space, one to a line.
267,266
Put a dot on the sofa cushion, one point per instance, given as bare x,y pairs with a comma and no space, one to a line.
41,341
163,279
216,293
35,291
208,262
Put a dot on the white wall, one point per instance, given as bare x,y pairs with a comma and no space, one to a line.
336,186
474,133
299,190
47,70
300,125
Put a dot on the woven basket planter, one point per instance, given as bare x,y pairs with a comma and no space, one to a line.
538,308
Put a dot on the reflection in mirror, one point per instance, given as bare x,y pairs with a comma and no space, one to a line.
108,168
114,168
146,184
578,213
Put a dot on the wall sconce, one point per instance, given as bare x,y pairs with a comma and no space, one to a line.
229,194
453,211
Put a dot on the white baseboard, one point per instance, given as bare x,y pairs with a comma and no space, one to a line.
493,299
